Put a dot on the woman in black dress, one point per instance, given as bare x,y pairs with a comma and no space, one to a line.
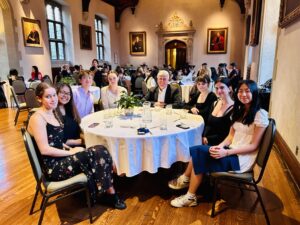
202,100
68,114
216,129
60,163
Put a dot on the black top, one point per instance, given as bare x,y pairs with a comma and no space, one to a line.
204,107
55,136
71,128
217,128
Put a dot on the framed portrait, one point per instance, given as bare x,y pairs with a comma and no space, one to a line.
289,12
32,34
85,33
137,43
255,23
217,40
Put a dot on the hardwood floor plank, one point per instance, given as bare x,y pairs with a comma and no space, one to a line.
147,195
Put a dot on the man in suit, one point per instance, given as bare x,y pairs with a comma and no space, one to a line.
164,93
137,45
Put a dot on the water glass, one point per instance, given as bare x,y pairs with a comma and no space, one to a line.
163,121
169,110
147,114
107,119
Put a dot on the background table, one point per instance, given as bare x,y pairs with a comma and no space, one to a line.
133,153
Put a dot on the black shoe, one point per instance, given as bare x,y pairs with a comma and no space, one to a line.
113,200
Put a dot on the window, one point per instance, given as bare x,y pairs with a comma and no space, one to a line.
99,38
55,30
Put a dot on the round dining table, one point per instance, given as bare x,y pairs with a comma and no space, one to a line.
133,153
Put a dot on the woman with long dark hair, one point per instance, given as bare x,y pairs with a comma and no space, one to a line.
68,114
36,74
238,151
59,162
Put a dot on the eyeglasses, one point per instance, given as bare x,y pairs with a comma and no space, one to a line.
65,93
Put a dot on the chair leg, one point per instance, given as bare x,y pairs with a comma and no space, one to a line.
262,205
214,198
17,115
43,210
88,199
34,200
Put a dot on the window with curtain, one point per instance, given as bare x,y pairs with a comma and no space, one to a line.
99,37
55,30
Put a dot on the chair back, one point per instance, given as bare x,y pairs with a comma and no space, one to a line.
34,84
30,99
265,147
31,152
16,100
138,82
47,80
177,86
144,88
19,87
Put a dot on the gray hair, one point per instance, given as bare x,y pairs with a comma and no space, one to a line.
163,73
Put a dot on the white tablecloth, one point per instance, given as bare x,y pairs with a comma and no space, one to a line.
133,153
186,89
32,84
93,89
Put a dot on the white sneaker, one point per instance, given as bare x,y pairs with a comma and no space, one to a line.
178,183
184,200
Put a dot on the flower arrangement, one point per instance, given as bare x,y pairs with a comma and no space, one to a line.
128,101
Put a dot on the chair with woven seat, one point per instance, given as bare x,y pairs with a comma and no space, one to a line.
51,189
248,178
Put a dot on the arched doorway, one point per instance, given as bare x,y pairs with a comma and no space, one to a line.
175,53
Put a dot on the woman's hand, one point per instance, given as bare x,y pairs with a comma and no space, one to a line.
204,141
75,150
217,152
159,104
194,110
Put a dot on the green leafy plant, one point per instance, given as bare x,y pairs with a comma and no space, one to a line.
128,101
68,80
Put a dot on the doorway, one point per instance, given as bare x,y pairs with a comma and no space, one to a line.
175,54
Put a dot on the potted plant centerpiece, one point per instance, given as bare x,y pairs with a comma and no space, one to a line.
128,102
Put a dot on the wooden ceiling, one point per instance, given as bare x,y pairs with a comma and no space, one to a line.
120,5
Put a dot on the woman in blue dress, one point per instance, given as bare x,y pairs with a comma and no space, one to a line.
238,151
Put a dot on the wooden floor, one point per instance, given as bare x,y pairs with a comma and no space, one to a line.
146,195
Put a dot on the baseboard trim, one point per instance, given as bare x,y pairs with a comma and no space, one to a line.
288,157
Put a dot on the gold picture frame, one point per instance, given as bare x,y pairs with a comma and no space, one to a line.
32,34
137,43
289,12
85,33
217,40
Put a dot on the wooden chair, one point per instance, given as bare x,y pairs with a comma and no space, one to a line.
51,189
240,180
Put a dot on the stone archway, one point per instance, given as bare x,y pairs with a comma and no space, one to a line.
176,29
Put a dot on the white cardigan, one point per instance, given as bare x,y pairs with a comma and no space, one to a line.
109,99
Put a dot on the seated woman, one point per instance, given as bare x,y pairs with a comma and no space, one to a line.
111,93
201,102
150,79
35,74
83,98
238,151
216,128
68,114
60,162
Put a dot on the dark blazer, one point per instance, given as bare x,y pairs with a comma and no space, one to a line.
172,96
